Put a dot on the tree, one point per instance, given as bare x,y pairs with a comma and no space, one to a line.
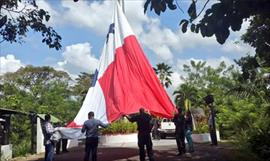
83,82
218,19
18,16
164,72
37,89
258,36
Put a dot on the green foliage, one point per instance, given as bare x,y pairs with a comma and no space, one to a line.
164,72
22,148
258,36
20,135
37,89
16,22
201,127
120,127
242,105
81,87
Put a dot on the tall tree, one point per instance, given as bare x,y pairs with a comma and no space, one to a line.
164,72
39,89
18,16
83,82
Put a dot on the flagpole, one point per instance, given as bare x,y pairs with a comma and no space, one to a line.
122,4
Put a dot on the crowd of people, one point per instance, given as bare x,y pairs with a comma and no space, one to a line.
145,126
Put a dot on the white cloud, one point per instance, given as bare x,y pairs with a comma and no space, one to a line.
55,16
237,48
78,58
176,79
9,63
95,15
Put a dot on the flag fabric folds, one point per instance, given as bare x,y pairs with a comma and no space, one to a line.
125,80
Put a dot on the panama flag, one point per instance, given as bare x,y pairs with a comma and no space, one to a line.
124,81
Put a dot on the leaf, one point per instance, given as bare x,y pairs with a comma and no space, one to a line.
146,5
170,4
184,27
222,35
203,29
47,17
236,23
3,21
197,28
192,11
182,21
163,6
192,27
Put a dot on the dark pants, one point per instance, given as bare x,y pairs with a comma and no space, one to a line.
91,145
213,137
156,133
145,139
49,152
180,141
62,142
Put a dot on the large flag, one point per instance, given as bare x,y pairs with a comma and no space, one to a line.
124,81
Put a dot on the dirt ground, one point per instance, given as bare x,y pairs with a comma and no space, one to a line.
203,152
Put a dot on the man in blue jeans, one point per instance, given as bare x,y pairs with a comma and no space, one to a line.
188,131
48,130
90,126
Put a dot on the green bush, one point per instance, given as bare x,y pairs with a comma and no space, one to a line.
120,127
22,149
201,127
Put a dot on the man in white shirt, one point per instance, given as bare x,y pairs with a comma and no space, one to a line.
48,131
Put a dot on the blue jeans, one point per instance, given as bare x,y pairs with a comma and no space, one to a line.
189,140
49,152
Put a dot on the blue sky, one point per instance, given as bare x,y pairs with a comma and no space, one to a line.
83,27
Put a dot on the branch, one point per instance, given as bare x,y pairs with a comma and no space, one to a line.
203,7
10,10
178,6
2,41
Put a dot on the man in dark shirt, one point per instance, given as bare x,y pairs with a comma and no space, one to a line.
179,121
144,129
90,126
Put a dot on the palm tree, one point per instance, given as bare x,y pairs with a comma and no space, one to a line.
185,94
164,74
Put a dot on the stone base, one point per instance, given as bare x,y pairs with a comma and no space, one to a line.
203,138
6,152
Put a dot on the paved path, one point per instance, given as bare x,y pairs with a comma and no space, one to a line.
164,150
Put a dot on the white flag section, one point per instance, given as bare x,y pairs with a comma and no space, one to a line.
124,81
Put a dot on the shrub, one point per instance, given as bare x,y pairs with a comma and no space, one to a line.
201,127
22,149
120,127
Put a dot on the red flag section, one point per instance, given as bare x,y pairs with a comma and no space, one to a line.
130,83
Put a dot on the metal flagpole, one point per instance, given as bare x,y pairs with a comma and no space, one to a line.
122,4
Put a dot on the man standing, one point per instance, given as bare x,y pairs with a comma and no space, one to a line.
188,130
48,130
90,126
144,129
212,132
179,121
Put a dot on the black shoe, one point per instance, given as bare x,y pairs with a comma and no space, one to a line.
65,151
